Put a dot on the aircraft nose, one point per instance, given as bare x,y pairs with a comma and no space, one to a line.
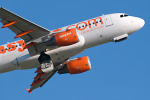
138,22
141,23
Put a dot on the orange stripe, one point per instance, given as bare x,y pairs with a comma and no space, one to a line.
38,70
36,82
24,33
57,30
9,24
39,75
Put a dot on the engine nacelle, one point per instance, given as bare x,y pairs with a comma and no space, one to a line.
65,38
76,66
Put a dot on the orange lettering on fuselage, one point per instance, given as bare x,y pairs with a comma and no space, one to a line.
12,47
89,21
2,50
70,26
57,30
85,24
22,44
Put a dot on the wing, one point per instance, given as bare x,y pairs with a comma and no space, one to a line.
25,29
40,79
31,34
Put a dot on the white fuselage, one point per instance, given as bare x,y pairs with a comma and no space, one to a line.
91,33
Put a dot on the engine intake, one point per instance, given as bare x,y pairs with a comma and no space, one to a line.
76,66
65,38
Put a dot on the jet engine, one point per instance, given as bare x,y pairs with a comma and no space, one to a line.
76,66
65,38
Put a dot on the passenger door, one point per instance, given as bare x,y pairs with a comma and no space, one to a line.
108,20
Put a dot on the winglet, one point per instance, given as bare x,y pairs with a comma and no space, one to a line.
29,91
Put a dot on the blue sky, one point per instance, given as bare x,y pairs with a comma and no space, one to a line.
120,71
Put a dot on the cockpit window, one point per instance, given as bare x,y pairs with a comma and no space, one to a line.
121,15
125,15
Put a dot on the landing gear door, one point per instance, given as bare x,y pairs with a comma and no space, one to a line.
108,20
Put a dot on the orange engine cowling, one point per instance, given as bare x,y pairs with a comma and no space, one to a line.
76,66
65,38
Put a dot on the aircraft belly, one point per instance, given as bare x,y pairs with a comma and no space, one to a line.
8,67
28,62
6,63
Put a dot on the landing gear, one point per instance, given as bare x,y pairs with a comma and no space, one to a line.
46,63
44,58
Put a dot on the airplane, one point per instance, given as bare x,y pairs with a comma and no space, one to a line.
50,51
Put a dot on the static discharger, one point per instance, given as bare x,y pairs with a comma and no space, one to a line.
24,33
9,24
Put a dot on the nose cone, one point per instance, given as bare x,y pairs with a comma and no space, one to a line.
140,23
135,24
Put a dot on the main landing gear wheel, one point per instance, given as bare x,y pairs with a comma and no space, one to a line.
46,63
